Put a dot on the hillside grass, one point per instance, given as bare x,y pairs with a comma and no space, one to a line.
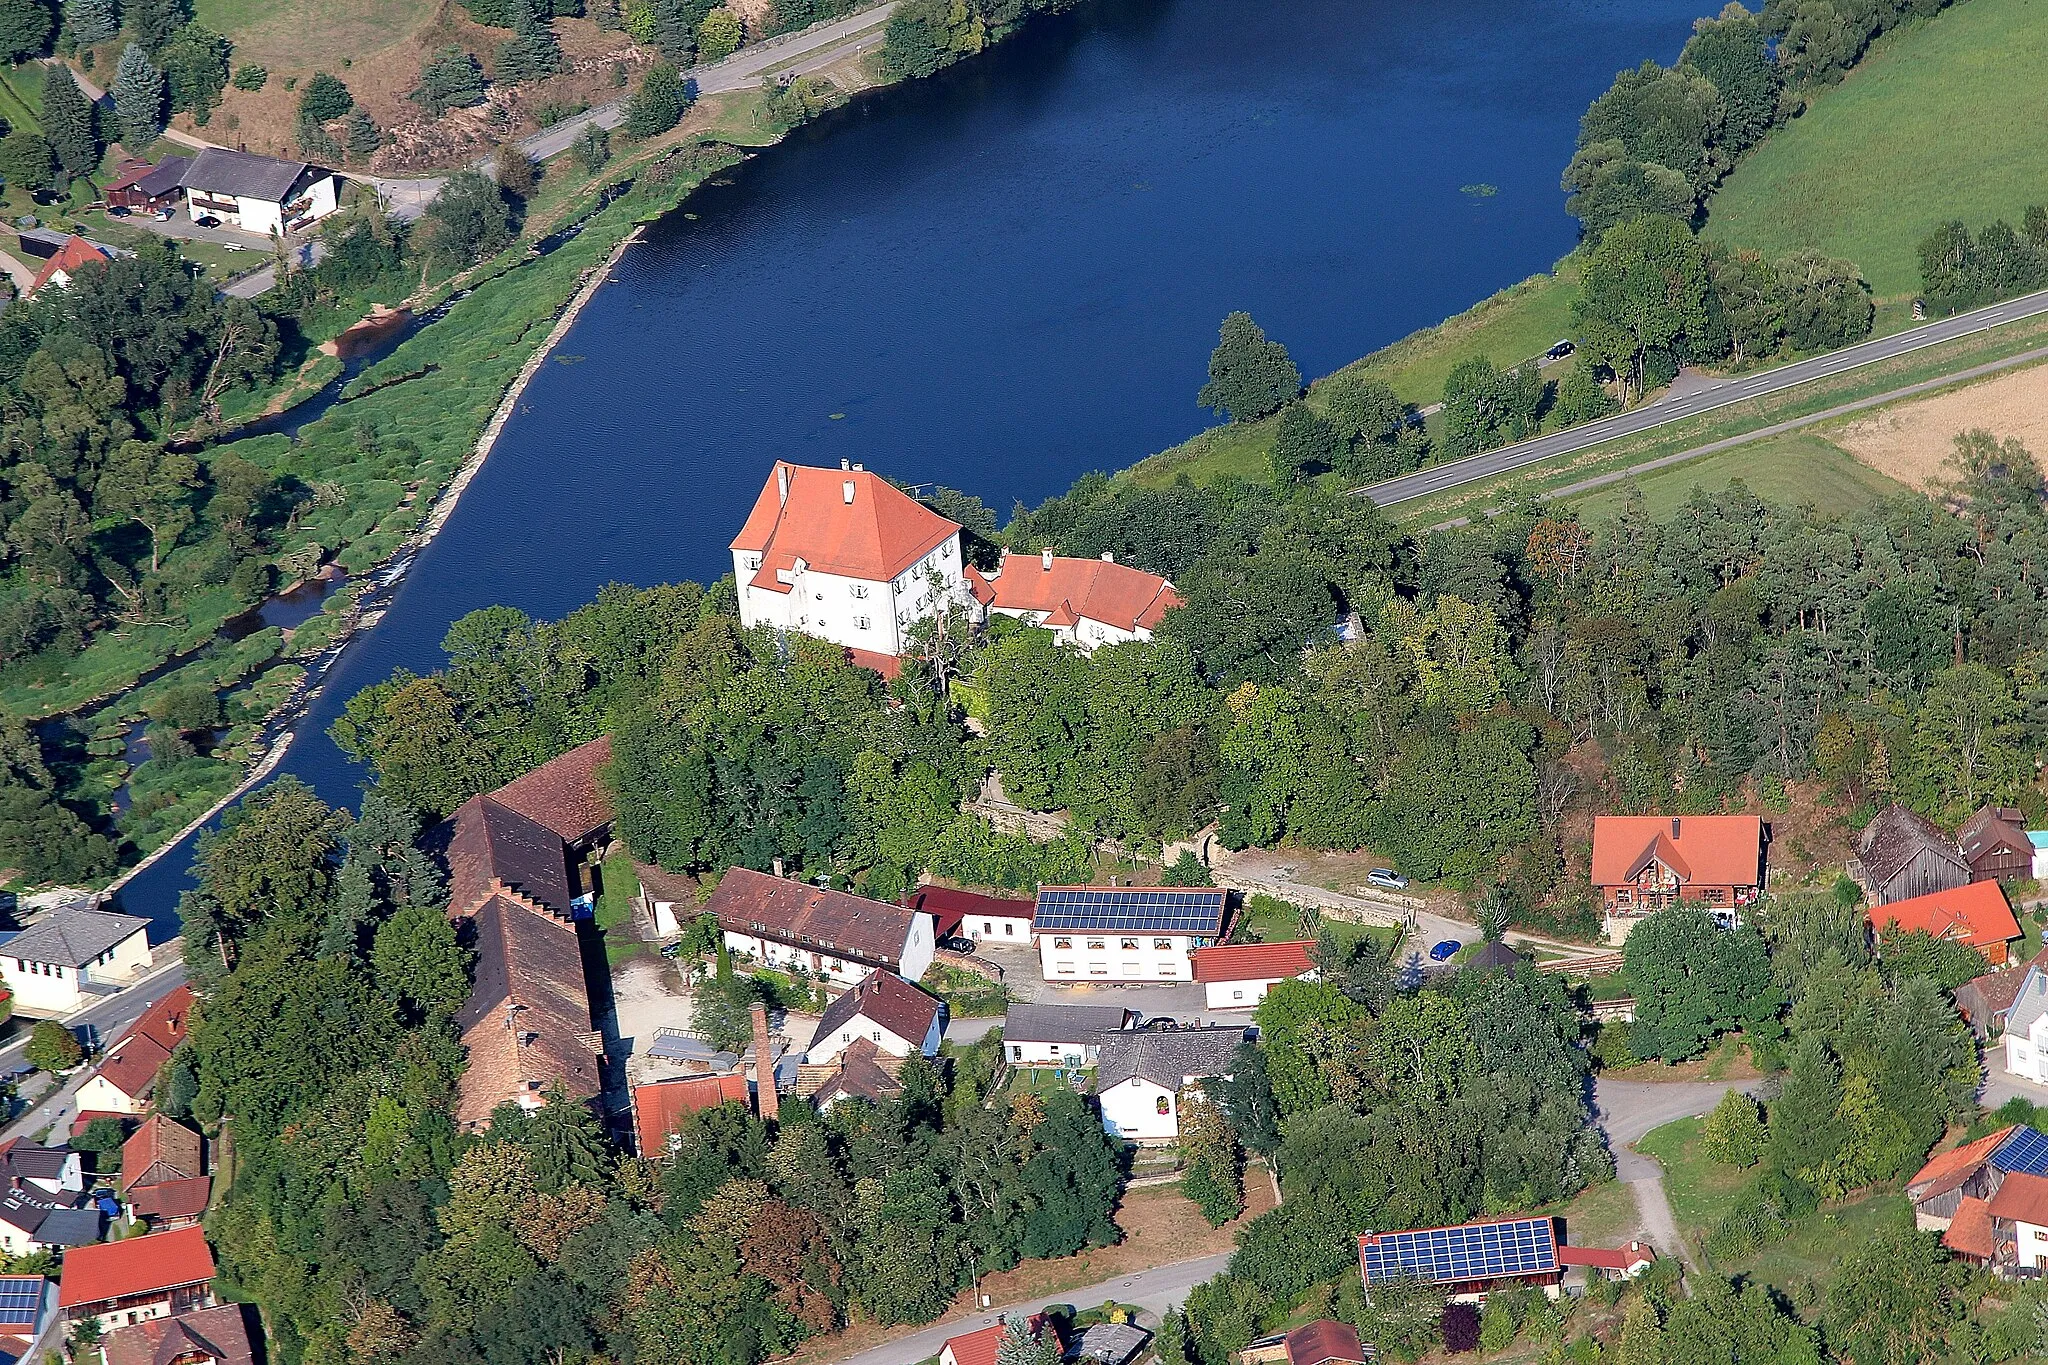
1941,120
1792,469
327,34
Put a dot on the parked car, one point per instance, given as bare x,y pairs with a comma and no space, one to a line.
162,215
1387,879
1163,1025
957,943
209,221
1560,351
672,951
1445,951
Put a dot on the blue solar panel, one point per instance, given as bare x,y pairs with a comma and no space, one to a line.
2025,1151
1139,909
1477,1251
21,1300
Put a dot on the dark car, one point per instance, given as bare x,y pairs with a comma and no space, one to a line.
1560,351
1445,951
209,221
1163,1024
957,943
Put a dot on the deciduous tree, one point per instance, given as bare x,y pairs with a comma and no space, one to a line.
1249,376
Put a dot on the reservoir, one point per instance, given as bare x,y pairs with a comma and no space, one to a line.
1011,274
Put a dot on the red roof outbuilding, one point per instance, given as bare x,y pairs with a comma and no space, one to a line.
138,1266
979,1348
660,1107
1975,914
1068,590
2021,1198
1969,1233
77,253
1253,961
1324,1342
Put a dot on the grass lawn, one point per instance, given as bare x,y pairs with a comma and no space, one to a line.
1604,1216
1942,120
614,909
1791,469
1815,1246
1268,919
21,96
1701,1190
310,33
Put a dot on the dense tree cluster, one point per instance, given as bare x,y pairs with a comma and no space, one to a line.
1959,269
925,36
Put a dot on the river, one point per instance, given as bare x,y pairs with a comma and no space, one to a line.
1011,274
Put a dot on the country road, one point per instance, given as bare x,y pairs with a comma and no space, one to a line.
1473,468
1626,1110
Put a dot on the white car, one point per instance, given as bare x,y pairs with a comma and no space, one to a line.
1386,879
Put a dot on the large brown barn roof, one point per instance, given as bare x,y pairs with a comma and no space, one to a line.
754,903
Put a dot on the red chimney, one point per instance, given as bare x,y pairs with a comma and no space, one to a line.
765,1102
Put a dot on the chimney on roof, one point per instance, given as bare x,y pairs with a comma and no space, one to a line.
1045,559
782,483
858,467
778,867
1674,827
846,464
847,487
765,1102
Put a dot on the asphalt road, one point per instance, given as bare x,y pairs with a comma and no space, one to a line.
1473,468
109,1018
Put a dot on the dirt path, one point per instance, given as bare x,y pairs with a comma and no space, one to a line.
1626,1110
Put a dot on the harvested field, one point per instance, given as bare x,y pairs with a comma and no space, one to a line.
1911,441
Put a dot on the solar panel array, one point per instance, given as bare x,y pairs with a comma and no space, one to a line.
21,1300
2026,1151
1140,909
1477,1251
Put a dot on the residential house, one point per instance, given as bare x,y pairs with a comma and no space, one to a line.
1974,914
32,1222
1994,843
53,1171
1061,1035
1974,1170
258,194
844,555
979,1347
968,914
1644,862
142,188
1900,856
71,957
1142,1075
1322,1342
210,1336
1468,1261
122,1083
75,255
1110,1343
162,1275
2026,1025
1236,976
2038,838
2019,1227
862,1071
28,1306
660,1107
1986,1002
888,1011
520,879
1124,933
163,1170
1624,1262
830,934
1086,603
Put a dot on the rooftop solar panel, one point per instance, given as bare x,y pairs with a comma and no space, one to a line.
1476,1251
21,1300
2026,1150
1143,909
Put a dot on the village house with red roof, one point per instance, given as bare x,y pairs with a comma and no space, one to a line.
1086,603
660,1107
1236,976
1975,915
844,555
1644,862
77,254
888,1011
979,1347
137,1279
830,934
123,1081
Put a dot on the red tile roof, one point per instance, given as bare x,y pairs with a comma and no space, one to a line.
1253,961
1704,850
1969,1232
85,1118
1096,589
660,1107
1975,914
1315,1343
949,908
1607,1258
155,1264
888,665
886,999
979,1348
527,1022
172,1199
160,1150
563,795
167,1021
2022,1198
833,923
132,1066
1946,1170
876,536
77,253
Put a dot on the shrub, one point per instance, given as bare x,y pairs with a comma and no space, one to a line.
52,1047
251,76
1735,1134
1460,1328
325,98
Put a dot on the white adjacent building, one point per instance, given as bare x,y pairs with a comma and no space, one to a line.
1086,603
1061,1035
71,957
793,925
1123,933
2026,1028
888,1011
258,193
846,556
1142,1077
1236,976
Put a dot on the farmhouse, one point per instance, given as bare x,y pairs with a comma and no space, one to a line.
1994,843
1061,1035
1900,856
833,934
211,1336
139,1278
1142,1075
1975,915
124,1079
979,1347
1644,862
1468,1261
70,957
1237,976
660,1107
75,255
258,193
142,188
1002,919
888,1011
1124,933
846,556
1958,1185
1986,1002
1086,603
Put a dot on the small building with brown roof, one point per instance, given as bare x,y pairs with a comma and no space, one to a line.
1986,1001
1975,914
888,1011
660,1107
77,254
979,1347
211,1336
1086,603
142,188
970,914
161,1150
1644,862
1994,843
1899,856
830,934
861,1071
162,1275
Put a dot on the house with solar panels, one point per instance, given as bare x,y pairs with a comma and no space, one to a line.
1953,1192
1469,1261
1124,933
28,1305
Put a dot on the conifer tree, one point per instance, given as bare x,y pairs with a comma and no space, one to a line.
154,21
91,21
139,98
24,28
1642,1336
1021,1346
68,122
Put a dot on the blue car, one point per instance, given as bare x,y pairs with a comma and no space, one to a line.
1445,951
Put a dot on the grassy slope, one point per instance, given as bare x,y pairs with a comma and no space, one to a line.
1791,469
303,33
1943,121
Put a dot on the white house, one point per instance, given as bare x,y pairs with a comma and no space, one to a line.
2039,839
2026,1029
128,1072
1086,603
985,919
888,1011
70,957
1124,933
1061,1035
1142,1074
258,193
846,556
1236,976
793,925
2019,1224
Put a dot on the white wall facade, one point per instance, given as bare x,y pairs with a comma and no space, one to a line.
856,612
825,1051
51,989
916,959
1238,995
2030,1246
266,216
1086,634
1013,929
1076,1054
1141,1110
103,1095
2026,1054
1081,955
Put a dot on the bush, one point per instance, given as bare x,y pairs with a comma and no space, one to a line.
325,98
250,76
53,1047
660,102
1735,1134
1460,1328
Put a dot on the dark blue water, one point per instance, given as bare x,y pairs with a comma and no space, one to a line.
1012,274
